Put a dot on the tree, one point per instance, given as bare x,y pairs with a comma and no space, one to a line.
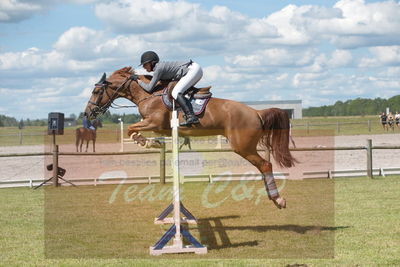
358,106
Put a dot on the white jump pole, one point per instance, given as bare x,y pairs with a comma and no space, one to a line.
176,173
219,142
122,134
177,208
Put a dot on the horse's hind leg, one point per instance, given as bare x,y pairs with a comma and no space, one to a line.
245,144
265,169
87,145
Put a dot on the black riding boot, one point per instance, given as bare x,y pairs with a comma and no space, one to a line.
188,110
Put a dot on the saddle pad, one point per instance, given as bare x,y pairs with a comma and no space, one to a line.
199,105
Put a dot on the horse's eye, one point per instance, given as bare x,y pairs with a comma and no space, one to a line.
97,89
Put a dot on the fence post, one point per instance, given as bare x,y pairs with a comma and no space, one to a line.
369,125
55,165
308,127
369,159
20,137
219,142
162,161
122,135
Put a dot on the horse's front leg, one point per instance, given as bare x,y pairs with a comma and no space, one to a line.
145,125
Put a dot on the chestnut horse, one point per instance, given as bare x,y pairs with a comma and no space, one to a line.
85,134
242,125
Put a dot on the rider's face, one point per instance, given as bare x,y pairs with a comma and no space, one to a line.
147,67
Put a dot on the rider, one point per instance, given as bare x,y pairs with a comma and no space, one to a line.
87,124
186,73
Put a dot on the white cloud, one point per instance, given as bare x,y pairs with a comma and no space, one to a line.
340,58
274,57
290,31
12,11
382,56
79,42
143,16
47,64
348,24
308,52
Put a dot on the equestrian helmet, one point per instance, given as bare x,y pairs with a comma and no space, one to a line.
149,56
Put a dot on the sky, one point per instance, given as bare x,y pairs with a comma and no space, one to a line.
52,52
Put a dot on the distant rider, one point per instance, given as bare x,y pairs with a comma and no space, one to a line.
186,73
87,124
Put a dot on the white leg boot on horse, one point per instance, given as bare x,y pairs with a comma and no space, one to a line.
133,133
144,142
270,185
265,169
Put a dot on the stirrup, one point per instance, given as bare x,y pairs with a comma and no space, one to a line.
189,120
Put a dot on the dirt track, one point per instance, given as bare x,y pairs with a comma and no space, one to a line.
21,168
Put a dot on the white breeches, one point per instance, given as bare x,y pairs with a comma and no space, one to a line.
193,75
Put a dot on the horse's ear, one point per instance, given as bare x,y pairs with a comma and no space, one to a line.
103,78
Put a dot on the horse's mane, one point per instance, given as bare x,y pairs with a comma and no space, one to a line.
124,72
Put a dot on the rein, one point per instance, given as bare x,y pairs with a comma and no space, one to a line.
104,86
148,97
99,110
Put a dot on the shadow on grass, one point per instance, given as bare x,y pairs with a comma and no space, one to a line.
209,233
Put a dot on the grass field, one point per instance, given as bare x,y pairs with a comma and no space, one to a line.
348,125
345,222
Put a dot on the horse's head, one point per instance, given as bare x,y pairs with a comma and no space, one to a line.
107,90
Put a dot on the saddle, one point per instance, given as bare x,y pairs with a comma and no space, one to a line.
198,97
192,92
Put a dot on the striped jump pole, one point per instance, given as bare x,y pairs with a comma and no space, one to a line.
177,232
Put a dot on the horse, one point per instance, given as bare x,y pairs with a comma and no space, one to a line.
85,134
243,126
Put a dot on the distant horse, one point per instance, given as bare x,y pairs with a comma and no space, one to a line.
85,134
242,125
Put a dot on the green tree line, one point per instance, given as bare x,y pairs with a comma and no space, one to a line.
358,106
108,117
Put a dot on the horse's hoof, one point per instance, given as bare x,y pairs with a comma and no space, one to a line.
132,135
280,202
156,144
152,144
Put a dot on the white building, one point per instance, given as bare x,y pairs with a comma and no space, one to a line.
293,107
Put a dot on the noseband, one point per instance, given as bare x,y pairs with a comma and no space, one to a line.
101,109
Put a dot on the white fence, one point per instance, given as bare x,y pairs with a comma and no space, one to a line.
369,171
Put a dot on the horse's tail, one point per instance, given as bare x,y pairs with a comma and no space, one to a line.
276,127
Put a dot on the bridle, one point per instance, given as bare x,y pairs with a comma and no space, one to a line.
103,85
